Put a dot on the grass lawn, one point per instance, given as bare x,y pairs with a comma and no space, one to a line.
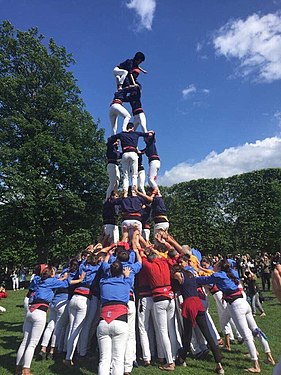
234,362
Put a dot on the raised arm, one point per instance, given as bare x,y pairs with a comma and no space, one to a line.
147,197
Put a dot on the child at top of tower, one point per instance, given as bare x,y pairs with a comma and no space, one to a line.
122,72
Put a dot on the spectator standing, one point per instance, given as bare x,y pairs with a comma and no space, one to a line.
15,280
265,271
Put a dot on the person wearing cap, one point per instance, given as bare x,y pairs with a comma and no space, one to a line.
129,143
122,72
193,313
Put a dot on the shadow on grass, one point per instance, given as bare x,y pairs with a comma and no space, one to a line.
8,362
11,326
60,368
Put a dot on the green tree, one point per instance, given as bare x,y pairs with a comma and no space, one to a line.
238,214
52,165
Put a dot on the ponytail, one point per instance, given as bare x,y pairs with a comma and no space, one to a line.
225,267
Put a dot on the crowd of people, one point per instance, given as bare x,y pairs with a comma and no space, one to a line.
163,289
127,291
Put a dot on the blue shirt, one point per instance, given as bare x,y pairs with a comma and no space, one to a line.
34,283
91,272
158,207
115,289
151,150
129,140
131,204
222,281
189,287
134,267
46,288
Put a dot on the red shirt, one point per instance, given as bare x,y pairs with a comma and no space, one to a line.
158,277
144,287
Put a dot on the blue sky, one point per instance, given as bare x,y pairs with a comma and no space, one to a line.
212,93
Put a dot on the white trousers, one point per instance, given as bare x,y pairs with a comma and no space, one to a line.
50,327
161,226
130,225
114,178
15,283
25,305
140,119
61,325
145,325
153,169
112,231
130,353
141,181
222,310
120,75
146,234
84,337
112,338
77,309
116,110
164,312
240,312
33,328
130,169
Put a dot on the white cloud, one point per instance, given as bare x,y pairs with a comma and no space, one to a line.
255,43
145,10
192,89
232,161
199,47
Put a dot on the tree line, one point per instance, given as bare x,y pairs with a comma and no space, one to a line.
240,214
53,170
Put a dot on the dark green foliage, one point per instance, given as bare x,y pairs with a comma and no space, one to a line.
52,166
233,215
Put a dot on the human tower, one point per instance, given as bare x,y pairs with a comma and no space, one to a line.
129,91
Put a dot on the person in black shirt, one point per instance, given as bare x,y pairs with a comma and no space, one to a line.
122,72
113,156
109,217
129,144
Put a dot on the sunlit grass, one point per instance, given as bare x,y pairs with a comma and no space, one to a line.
234,362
